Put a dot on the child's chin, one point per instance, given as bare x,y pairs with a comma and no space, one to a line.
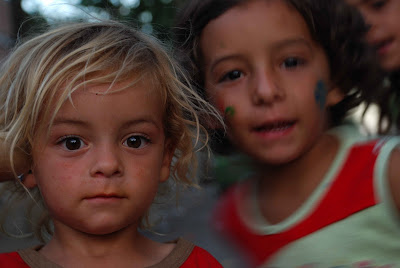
277,159
102,230
281,161
391,61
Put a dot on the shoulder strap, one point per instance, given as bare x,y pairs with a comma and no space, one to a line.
178,256
36,260
382,188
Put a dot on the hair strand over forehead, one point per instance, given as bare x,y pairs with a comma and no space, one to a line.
43,72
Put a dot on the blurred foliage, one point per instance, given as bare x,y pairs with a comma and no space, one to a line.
154,16
157,13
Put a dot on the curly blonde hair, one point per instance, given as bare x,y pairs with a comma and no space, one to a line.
75,55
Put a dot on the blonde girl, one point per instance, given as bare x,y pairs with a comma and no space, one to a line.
95,118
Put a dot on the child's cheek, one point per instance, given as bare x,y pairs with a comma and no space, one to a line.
320,94
229,111
220,106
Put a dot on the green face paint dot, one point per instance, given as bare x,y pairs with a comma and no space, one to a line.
229,111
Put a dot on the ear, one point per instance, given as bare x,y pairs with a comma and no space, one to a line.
335,95
166,163
29,180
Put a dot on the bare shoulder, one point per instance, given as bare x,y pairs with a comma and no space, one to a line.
394,176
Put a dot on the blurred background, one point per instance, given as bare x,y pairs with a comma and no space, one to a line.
20,17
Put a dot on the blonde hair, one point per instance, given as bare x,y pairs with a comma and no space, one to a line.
75,55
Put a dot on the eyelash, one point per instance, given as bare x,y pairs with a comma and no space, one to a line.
238,74
63,140
378,4
141,138
298,62
227,76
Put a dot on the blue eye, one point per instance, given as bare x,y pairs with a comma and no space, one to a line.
136,141
292,62
72,143
232,75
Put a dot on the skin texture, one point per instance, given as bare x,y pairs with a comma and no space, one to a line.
384,34
98,172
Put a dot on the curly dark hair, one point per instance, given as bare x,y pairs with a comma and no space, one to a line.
338,27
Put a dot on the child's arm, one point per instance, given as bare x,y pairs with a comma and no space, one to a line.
21,164
394,176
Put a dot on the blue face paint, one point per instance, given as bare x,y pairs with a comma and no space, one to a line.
320,94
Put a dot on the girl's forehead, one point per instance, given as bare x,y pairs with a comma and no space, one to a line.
142,87
278,12
71,93
120,99
264,21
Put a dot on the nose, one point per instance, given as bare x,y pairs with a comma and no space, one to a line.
106,162
374,34
266,90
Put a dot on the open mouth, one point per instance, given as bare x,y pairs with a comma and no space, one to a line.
279,126
383,46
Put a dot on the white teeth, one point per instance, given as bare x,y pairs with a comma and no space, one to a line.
276,127
280,128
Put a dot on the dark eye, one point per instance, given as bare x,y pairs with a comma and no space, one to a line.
292,62
72,143
136,141
378,4
233,75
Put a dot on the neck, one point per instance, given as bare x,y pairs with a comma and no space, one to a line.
314,163
289,185
71,248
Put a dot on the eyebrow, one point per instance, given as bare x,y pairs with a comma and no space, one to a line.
276,46
291,42
224,58
68,121
145,120
79,122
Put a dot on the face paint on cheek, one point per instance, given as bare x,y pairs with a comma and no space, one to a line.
320,94
230,111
